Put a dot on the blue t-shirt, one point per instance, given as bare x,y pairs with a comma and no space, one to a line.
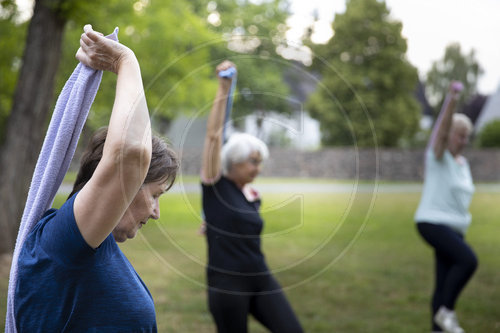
66,286
233,230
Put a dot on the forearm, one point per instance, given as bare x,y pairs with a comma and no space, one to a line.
215,119
213,138
440,132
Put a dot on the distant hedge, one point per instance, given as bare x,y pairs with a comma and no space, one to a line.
490,135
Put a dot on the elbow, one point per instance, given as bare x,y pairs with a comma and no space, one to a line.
214,137
132,155
138,152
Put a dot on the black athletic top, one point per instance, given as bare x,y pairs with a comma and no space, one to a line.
233,230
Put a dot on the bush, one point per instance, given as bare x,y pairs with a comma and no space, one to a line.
490,135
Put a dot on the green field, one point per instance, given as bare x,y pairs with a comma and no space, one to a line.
348,263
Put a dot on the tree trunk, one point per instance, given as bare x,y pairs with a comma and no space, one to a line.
26,125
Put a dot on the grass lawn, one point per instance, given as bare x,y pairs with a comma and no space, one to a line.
347,262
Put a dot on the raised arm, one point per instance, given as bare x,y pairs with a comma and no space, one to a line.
103,200
439,137
211,163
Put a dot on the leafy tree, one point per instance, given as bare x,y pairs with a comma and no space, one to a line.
366,80
260,27
30,107
454,66
11,44
252,33
489,136
176,51
179,43
27,120
167,38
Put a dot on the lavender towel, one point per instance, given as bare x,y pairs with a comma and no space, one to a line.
58,148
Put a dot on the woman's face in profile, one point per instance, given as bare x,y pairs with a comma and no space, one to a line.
145,206
458,138
246,171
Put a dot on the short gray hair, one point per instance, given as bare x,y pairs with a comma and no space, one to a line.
463,120
239,147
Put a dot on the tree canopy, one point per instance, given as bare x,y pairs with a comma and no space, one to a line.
365,96
253,32
177,44
11,44
165,36
452,67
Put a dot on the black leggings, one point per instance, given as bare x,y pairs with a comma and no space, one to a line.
232,298
455,264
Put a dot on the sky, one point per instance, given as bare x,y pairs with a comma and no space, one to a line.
428,25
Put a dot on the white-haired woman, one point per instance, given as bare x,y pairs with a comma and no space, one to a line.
443,214
239,281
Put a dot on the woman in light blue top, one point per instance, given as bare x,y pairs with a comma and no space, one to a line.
443,214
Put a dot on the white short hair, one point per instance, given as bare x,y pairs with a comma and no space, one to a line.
238,149
461,119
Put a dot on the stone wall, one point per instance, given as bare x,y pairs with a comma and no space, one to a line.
347,163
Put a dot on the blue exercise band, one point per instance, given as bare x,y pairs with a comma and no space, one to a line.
229,73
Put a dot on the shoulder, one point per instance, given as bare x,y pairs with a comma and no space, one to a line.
223,188
58,235
210,181
462,160
430,156
64,213
221,181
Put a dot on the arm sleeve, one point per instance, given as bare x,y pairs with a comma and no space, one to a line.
61,239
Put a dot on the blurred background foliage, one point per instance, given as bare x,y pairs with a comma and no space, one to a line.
366,91
367,98
489,137
12,36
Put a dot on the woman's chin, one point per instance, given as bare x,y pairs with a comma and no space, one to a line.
121,237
